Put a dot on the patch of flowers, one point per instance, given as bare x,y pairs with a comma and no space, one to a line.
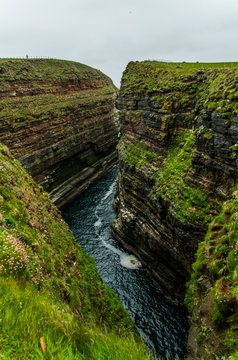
16,258
222,297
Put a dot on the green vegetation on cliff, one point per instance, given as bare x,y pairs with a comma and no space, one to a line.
213,85
188,202
178,176
57,118
49,287
215,276
48,70
56,84
23,112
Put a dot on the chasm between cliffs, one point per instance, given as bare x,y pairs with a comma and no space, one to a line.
173,207
160,318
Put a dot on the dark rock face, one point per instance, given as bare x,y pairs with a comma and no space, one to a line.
58,120
216,152
177,166
149,228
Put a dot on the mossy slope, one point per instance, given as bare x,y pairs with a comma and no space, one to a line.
213,289
46,70
49,287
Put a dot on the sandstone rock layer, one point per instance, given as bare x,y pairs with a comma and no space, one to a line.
57,117
178,166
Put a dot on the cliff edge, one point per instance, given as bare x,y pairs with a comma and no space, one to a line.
57,118
177,189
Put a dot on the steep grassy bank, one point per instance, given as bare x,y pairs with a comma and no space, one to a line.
57,117
178,172
49,287
212,292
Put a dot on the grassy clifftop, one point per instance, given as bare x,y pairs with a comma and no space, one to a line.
49,287
213,85
47,69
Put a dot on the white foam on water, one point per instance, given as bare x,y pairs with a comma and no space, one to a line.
130,262
98,223
110,191
112,248
127,261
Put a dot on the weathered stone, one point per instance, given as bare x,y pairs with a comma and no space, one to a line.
60,124
149,223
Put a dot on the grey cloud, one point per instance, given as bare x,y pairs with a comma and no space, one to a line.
107,34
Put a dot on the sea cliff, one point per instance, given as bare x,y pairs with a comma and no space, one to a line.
57,117
177,173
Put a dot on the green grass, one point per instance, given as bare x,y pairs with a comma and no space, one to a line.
159,78
49,70
27,315
38,246
136,153
188,202
217,260
21,112
188,85
49,286
197,65
217,256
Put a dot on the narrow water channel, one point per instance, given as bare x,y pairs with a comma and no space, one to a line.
160,318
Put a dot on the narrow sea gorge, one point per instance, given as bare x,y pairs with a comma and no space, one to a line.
176,206
160,318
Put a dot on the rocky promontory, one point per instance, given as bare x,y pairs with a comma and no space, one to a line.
176,199
57,117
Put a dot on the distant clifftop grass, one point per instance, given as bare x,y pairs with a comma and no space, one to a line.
49,286
209,84
48,69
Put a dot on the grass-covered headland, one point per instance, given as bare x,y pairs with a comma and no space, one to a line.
53,304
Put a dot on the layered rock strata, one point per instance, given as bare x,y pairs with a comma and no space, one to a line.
57,117
178,166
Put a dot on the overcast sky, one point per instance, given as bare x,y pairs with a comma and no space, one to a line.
107,34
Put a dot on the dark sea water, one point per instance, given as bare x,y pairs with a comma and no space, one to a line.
160,318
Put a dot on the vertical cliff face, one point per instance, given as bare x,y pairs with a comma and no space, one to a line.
57,117
178,166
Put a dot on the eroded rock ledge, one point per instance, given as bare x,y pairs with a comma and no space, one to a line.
178,167
57,117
